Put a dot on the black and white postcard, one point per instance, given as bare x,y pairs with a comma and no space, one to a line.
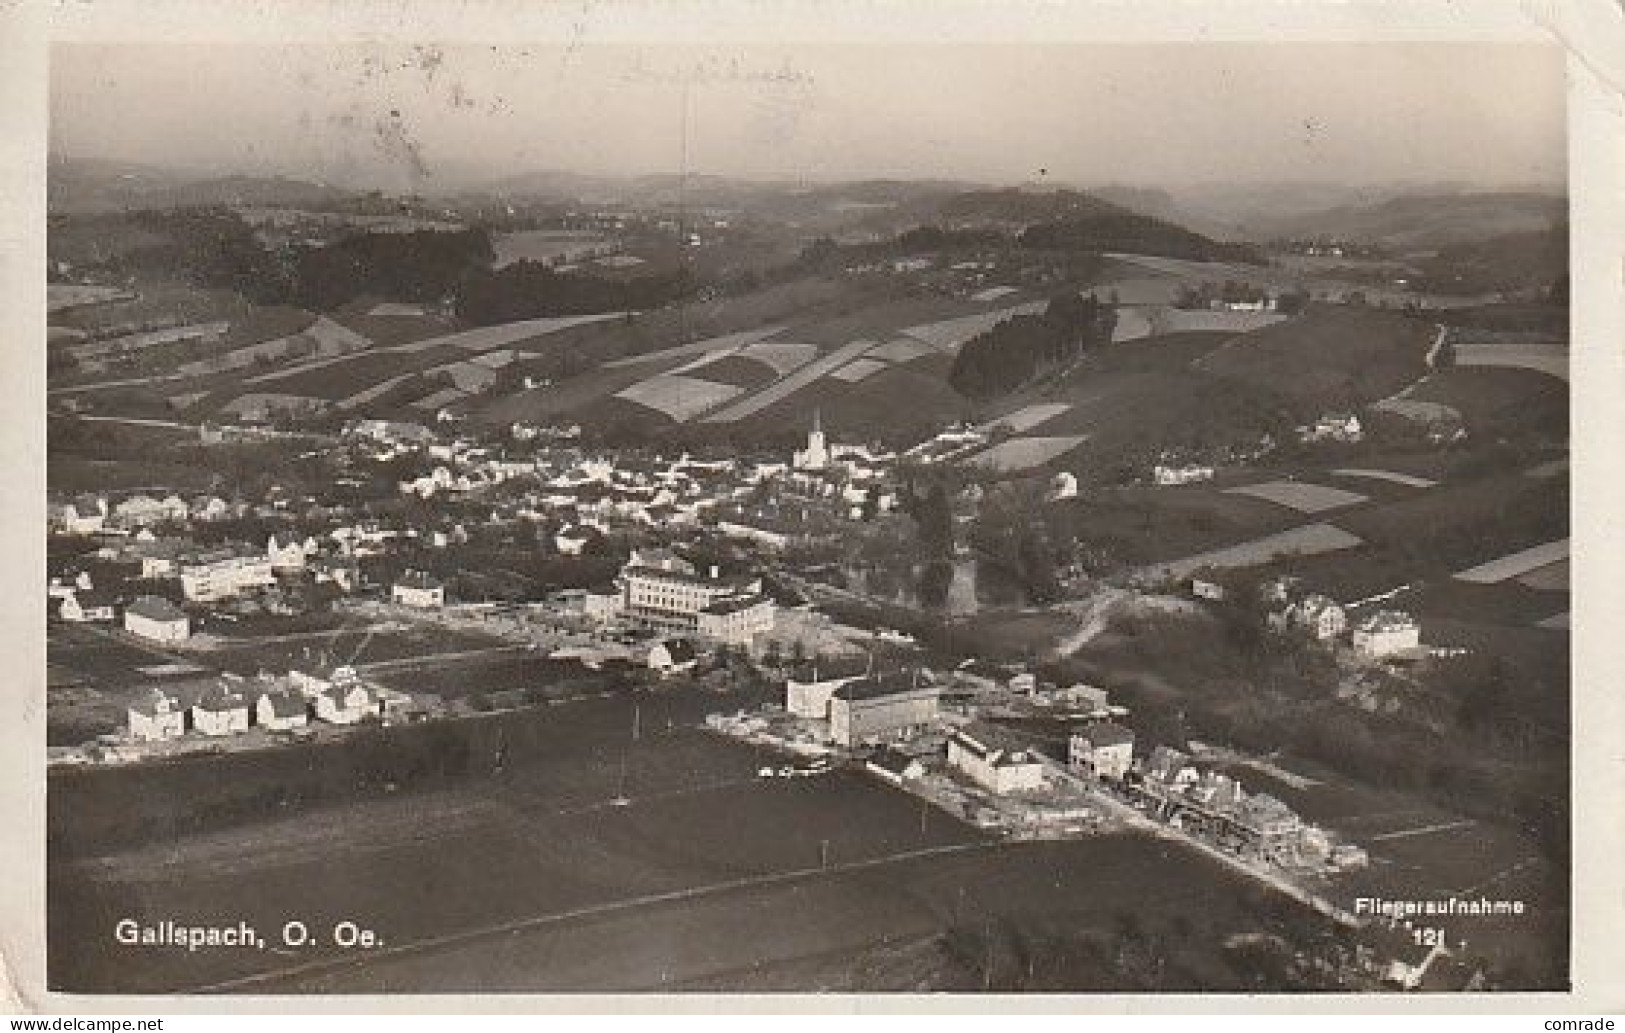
1025,508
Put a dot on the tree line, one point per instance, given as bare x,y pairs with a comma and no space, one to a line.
1017,349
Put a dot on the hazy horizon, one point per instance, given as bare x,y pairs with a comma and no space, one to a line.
1161,116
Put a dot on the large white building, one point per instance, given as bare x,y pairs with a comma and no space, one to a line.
226,576
994,759
1386,633
157,620
662,590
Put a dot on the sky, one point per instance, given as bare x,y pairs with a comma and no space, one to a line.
397,117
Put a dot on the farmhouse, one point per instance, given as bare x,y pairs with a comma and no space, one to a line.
281,710
873,709
1168,476
418,589
90,604
345,701
676,656
156,716
1319,615
84,515
1386,633
288,558
157,620
221,710
1102,750
994,759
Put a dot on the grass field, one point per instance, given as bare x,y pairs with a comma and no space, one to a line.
1299,541
1331,357
1019,454
1300,495
680,398
1500,402
1142,525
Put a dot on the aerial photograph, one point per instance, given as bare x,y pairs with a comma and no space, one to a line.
886,519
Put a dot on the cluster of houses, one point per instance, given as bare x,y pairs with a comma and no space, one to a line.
1171,787
1380,635
228,705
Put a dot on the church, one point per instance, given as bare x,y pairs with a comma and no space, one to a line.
816,455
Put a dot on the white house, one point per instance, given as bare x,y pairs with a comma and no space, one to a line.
157,620
345,702
221,710
81,605
737,620
281,710
807,694
156,716
1386,633
418,589
285,559
1102,750
994,759
1319,615
676,656
1168,476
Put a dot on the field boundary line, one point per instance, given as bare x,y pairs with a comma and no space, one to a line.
588,911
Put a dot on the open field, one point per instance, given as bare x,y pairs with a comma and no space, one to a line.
858,369
530,878
721,343
948,334
1028,417
1301,496
60,297
1391,476
1329,357
1299,541
1019,454
1142,525
1540,356
784,388
1503,401
677,397
1522,562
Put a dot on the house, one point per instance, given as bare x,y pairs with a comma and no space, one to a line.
1212,591
572,539
345,701
285,559
418,589
895,767
156,716
876,708
281,710
1090,699
807,692
1386,633
1170,768
1340,427
1319,615
157,620
994,759
1103,750
737,620
86,514
220,710
673,656
601,605
1168,476
81,605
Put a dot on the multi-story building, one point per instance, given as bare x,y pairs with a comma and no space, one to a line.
1386,633
994,759
871,710
225,576
1103,750
157,619
662,590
